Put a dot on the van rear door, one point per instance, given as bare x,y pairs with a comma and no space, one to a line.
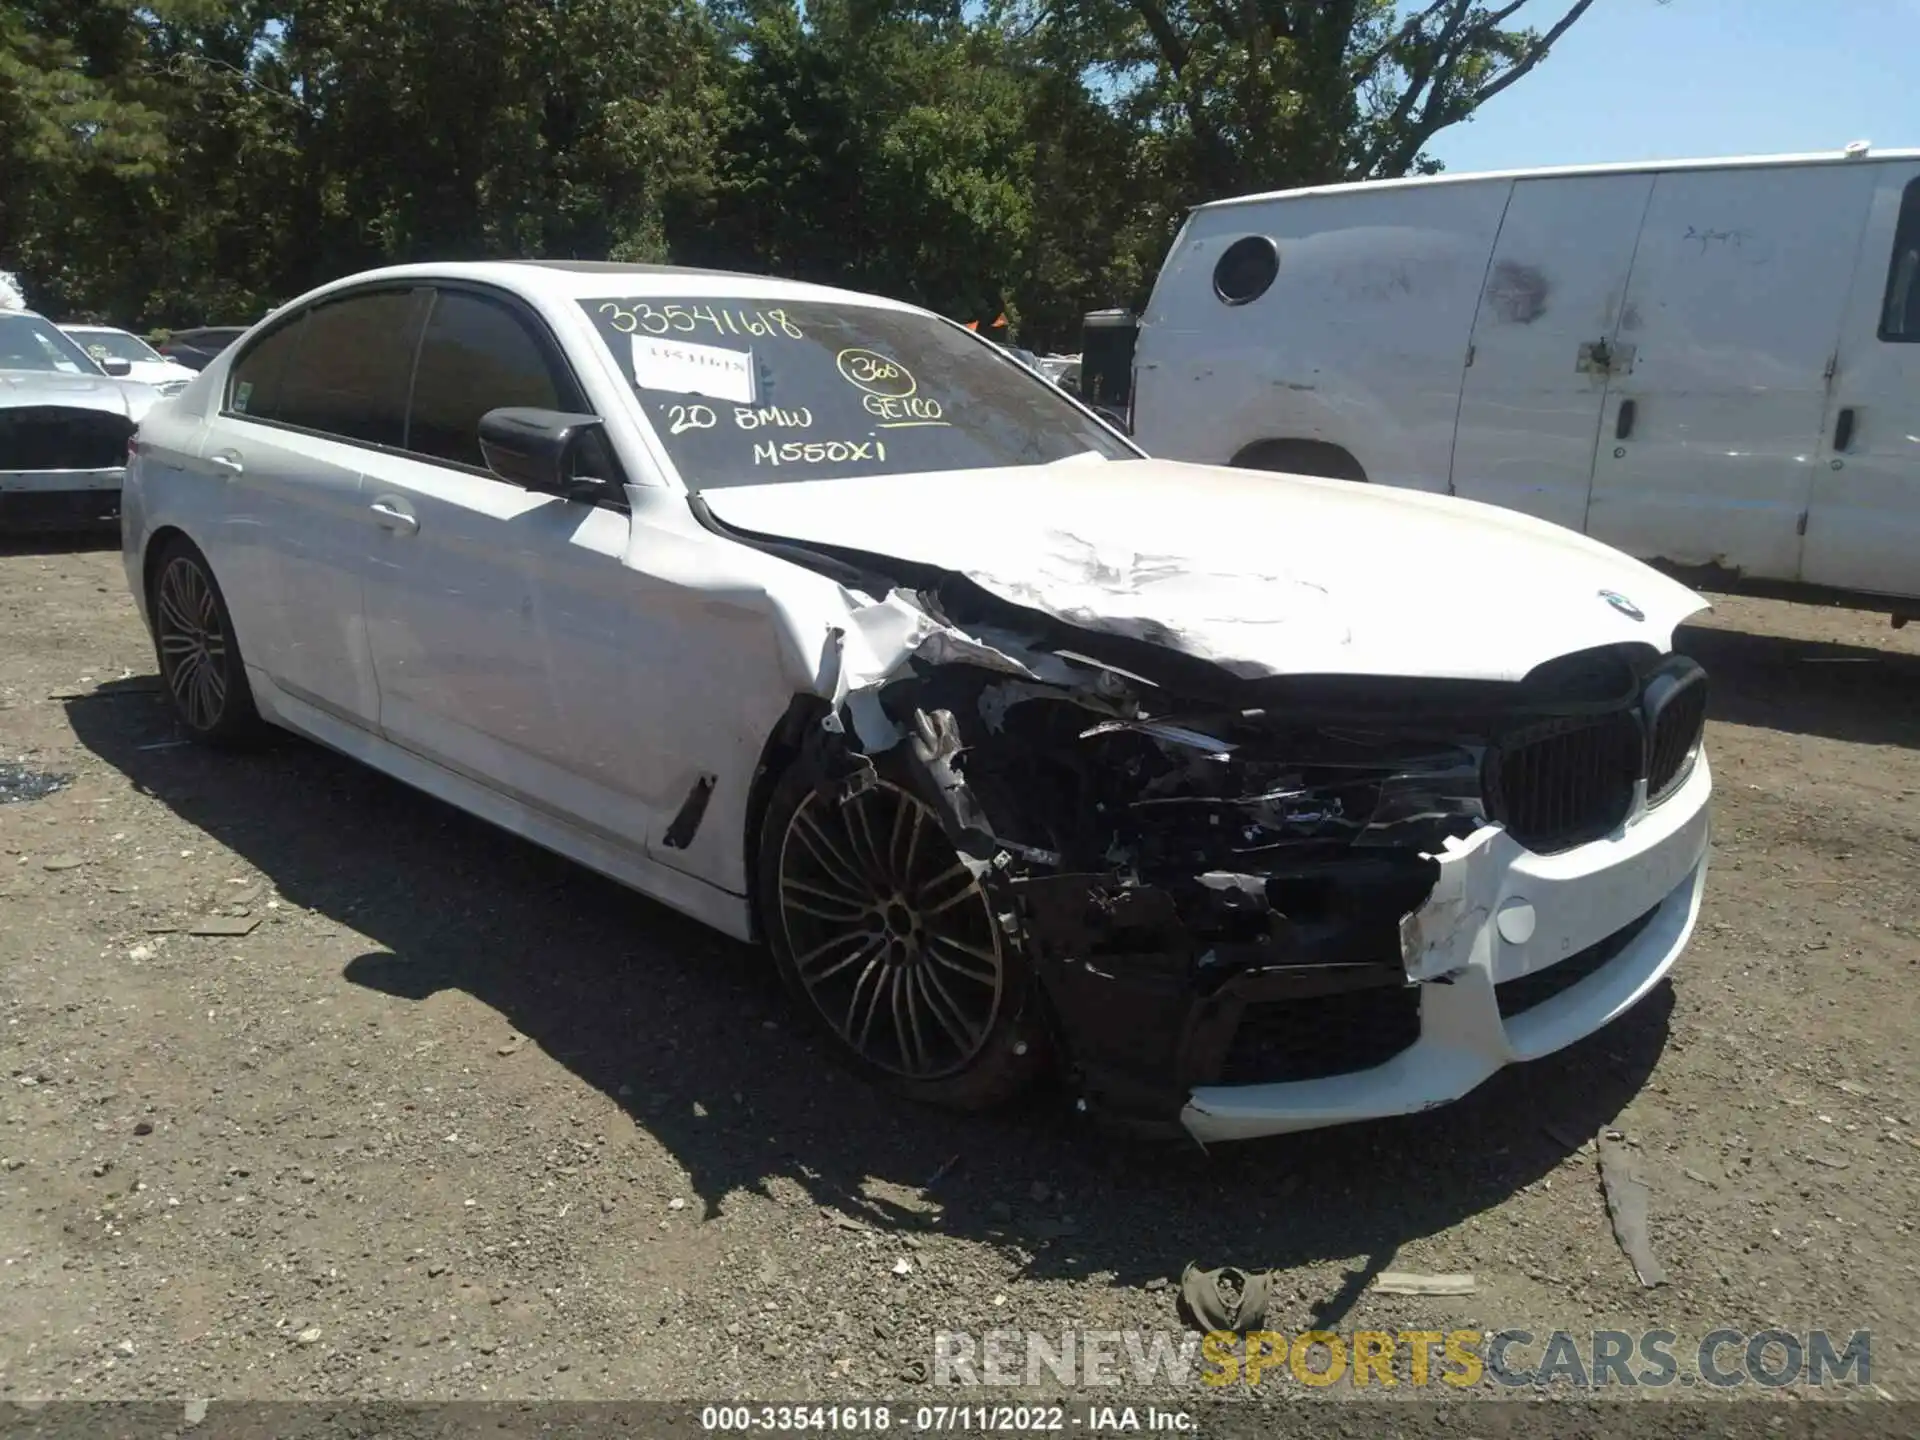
1863,519
1733,312
1530,406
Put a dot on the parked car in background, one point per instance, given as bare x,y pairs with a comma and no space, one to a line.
1275,802
1711,363
144,363
195,349
65,426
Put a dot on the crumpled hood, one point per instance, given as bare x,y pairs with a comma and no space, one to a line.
78,392
1263,574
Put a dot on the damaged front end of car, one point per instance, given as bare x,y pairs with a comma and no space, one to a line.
1222,881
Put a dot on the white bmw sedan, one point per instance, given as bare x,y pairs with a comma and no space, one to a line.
1256,802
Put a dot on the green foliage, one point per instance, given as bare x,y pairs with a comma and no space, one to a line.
176,162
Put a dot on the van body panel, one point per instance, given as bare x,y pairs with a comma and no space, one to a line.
1734,312
1361,339
1709,363
1529,411
1863,517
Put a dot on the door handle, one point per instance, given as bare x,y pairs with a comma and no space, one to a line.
1843,430
1623,422
227,462
390,516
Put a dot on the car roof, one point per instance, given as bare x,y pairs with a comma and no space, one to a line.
595,279
1849,156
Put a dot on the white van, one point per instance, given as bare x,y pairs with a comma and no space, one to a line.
1711,363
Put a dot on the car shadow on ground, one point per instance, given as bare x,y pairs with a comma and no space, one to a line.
61,542
691,1033
1808,687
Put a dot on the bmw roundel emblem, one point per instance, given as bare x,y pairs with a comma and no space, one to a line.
1625,606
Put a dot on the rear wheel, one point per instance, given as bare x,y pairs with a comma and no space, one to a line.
892,945
200,664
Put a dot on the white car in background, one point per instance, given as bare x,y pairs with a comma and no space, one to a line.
1263,802
65,428
144,363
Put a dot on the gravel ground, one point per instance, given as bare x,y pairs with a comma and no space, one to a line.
457,1119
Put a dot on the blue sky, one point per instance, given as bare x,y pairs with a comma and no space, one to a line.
1639,80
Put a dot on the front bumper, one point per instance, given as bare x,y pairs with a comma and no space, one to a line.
59,499
1615,913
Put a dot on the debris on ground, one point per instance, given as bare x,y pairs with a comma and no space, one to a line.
1406,1282
228,925
1226,1299
1628,1195
19,784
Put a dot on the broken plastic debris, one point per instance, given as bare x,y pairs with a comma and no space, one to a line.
226,925
1628,1194
19,784
1406,1282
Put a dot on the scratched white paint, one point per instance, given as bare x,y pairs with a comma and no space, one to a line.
1265,574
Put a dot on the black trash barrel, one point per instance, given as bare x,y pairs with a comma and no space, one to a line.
1107,339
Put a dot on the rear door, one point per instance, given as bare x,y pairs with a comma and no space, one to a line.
1863,520
1530,405
306,407
1718,388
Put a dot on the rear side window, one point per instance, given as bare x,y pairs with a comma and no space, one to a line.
253,387
349,377
477,355
1900,313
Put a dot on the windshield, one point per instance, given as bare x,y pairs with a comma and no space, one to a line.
745,393
29,343
115,345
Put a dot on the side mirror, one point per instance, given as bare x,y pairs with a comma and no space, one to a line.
538,449
116,367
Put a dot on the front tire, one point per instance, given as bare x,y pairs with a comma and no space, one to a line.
892,946
200,664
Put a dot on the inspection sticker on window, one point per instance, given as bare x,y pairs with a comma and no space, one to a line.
710,370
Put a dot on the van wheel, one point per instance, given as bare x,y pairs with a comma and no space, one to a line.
1301,457
892,946
200,665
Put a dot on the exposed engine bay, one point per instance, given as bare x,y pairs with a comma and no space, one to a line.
1214,876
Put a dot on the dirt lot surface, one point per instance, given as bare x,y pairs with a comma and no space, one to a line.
459,1119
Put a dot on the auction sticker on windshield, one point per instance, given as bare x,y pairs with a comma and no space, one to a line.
746,394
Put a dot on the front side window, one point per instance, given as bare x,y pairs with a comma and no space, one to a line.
29,343
1900,312
747,392
477,356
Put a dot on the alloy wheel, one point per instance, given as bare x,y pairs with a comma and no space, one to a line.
892,937
192,642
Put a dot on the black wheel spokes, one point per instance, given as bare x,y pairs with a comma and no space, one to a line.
891,935
193,647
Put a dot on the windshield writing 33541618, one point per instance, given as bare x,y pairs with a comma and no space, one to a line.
745,394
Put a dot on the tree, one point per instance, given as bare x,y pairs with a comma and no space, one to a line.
1232,96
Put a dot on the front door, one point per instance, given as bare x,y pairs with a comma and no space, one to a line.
1863,521
1530,406
1717,397
494,611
